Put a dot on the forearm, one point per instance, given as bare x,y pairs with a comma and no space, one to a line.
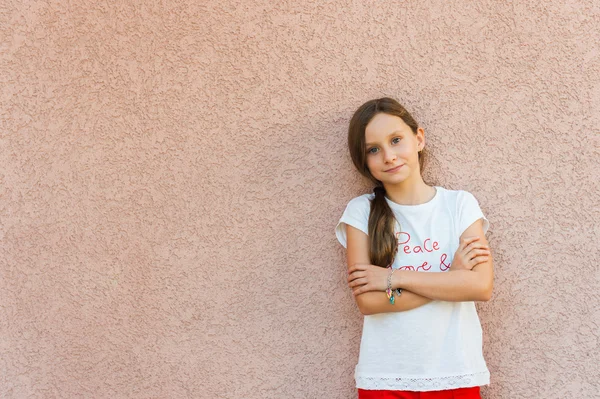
373,302
453,286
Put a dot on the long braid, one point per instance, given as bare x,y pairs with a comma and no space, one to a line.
383,244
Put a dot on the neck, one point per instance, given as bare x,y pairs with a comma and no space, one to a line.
410,192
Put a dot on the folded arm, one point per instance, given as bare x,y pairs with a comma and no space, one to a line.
455,285
373,302
420,288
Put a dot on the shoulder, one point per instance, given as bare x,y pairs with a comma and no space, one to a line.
360,205
448,196
456,196
356,214
361,201
466,209
359,208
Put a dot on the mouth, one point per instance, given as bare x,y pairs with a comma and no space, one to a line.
395,169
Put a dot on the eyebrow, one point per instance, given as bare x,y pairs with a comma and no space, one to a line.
391,134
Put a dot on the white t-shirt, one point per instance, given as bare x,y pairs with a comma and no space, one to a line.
436,346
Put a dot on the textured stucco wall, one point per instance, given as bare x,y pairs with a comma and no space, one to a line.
171,173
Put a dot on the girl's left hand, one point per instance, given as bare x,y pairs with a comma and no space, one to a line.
364,277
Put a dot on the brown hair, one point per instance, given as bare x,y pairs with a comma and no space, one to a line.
382,241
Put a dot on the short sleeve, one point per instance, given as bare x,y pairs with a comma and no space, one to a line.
469,211
356,214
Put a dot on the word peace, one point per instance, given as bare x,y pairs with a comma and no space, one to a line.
403,239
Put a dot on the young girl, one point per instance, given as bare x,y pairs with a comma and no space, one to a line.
417,260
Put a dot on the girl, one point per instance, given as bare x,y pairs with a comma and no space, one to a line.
417,260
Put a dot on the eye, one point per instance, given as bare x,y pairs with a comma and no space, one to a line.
399,138
370,151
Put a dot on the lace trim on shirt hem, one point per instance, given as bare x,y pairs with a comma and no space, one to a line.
423,384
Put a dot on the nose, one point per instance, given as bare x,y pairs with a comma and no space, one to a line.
388,155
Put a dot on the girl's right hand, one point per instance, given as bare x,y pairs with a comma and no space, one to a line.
469,253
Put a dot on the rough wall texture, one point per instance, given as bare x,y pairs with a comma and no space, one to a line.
172,171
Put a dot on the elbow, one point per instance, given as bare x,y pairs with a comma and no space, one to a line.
485,297
363,305
364,312
486,293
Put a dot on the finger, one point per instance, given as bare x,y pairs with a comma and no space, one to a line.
356,267
476,245
476,252
477,260
355,275
361,288
467,240
358,281
468,252
483,253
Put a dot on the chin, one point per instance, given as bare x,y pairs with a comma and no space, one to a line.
395,178
393,182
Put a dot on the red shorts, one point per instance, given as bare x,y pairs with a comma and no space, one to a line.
456,393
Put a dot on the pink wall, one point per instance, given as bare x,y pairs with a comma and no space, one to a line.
172,172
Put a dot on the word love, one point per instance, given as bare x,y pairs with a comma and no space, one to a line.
427,246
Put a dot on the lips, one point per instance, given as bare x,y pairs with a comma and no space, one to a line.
395,169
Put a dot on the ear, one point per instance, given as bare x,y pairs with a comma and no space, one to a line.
420,138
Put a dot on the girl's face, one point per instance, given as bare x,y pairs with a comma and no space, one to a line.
392,149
